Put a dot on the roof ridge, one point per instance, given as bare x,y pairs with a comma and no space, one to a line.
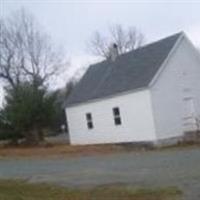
142,47
153,43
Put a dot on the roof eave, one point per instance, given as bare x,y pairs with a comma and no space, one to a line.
107,97
167,59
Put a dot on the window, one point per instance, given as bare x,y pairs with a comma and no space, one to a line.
89,121
116,114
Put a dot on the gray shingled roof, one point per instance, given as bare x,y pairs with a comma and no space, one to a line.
133,70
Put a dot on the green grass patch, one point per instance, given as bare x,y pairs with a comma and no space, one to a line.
20,190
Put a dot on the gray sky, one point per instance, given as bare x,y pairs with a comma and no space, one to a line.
71,23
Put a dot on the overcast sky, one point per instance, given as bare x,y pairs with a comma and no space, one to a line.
71,23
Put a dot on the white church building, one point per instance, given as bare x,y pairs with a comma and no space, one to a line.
151,94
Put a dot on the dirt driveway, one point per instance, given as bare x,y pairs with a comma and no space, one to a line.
154,168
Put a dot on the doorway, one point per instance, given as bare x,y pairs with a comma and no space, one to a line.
190,117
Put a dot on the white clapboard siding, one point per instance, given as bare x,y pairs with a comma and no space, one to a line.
179,80
136,116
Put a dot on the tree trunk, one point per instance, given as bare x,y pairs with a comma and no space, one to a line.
41,135
14,141
32,137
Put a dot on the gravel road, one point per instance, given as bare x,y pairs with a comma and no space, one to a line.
175,167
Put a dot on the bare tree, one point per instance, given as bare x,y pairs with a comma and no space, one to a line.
26,53
126,40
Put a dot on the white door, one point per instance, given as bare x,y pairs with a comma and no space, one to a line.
189,118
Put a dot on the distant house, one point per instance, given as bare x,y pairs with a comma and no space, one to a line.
151,94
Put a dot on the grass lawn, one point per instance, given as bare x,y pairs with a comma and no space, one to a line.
20,190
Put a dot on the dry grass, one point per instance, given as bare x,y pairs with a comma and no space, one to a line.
65,150
20,190
57,150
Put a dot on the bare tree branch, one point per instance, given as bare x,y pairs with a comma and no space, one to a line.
26,53
126,40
